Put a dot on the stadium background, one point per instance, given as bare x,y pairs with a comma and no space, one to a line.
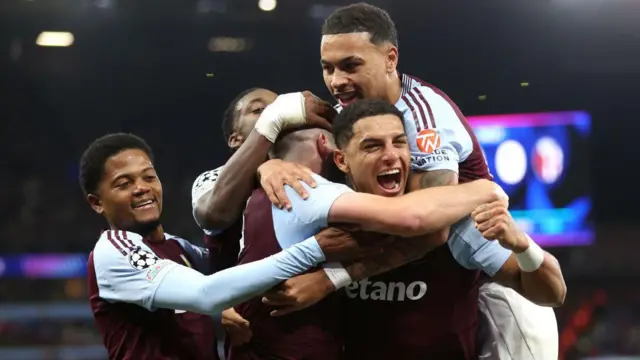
166,70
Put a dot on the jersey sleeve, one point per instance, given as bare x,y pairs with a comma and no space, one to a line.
438,137
473,251
202,186
128,274
306,217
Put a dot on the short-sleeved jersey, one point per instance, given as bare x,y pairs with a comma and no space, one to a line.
439,135
223,244
427,309
314,333
204,183
124,271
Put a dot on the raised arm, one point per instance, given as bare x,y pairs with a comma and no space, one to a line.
220,207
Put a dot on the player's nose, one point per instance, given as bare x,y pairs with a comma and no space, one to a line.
339,80
389,155
141,188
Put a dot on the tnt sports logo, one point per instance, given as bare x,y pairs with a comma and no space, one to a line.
142,259
382,291
547,160
428,141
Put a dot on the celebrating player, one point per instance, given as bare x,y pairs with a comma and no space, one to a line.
317,332
440,322
359,55
142,280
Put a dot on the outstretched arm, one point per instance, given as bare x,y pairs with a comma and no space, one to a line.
417,213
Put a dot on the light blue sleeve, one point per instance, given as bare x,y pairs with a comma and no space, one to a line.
165,284
306,217
473,251
129,275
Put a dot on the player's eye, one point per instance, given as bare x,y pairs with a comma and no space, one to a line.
123,185
258,111
350,67
150,178
327,68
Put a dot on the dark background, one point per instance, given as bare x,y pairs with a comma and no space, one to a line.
144,67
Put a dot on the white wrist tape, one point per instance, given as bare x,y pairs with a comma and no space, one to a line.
531,259
338,275
286,111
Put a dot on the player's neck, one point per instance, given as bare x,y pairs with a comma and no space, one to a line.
154,233
395,88
305,157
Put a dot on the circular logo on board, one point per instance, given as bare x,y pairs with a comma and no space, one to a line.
547,160
428,141
511,162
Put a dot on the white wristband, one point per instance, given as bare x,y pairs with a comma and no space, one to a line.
531,259
338,275
286,111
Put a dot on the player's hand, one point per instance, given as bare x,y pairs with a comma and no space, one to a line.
495,223
238,328
299,292
341,245
317,111
275,174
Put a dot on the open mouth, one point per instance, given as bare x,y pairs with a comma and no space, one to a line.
389,180
146,204
347,98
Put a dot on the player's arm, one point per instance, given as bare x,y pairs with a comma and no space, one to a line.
543,285
221,205
417,213
224,203
137,276
514,260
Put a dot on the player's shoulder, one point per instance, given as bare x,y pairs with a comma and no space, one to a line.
117,243
205,182
184,243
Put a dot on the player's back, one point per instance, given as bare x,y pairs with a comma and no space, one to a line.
130,331
313,333
426,309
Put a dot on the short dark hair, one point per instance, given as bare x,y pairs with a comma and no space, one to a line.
362,17
229,117
96,155
343,123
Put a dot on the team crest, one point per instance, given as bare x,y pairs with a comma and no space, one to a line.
142,259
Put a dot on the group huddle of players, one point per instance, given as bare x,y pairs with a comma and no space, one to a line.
368,230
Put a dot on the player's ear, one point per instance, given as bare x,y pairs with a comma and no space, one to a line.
341,161
96,203
324,146
235,140
392,59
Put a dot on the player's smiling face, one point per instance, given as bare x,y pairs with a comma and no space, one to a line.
129,193
248,110
355,68
376,159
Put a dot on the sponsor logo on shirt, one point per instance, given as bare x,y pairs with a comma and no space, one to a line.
386,291
437,156
428,141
